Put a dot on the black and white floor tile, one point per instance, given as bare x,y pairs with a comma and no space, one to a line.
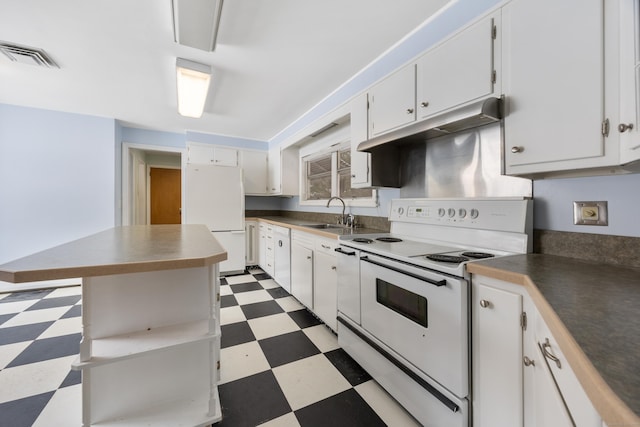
280,366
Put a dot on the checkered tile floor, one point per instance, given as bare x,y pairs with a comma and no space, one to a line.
280,365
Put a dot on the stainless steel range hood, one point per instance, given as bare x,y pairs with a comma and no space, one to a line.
468,117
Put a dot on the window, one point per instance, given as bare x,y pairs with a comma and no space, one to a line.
327,174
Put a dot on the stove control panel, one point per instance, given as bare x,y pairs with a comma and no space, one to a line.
504,214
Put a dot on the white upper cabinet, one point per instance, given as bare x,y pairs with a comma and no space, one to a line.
554,83
392,102
360,161
460,70
629,124
212,154
254,171
283,166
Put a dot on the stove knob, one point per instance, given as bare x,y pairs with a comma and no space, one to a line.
441,212
400,211
462,213
474,213
451,212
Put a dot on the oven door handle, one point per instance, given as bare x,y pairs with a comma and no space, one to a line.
406,273
342,251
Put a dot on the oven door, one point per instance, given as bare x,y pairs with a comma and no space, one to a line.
419,314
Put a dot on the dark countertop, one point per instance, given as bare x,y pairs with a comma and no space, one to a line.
599,305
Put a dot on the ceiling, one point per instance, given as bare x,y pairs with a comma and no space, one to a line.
274,59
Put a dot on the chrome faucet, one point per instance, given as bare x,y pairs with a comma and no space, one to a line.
342,218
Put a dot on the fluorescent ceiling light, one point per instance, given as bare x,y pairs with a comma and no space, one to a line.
195,23
193,81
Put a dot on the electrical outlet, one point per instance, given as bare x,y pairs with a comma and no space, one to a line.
590,213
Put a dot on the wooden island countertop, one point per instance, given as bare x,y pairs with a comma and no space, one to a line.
119,250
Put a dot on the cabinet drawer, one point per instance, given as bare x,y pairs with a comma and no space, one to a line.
327,246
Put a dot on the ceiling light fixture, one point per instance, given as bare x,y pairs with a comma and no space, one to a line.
196,22
193,81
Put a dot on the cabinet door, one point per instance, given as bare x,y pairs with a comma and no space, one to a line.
199,154
629,81
262,245
254,172
458,71
302,273
325,284
360,161
273,162
392,102
251,242
569,394
224,156
553,80
550,409
497,357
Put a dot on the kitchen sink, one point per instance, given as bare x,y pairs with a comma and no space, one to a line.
323,226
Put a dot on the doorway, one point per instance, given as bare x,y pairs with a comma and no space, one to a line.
152,184
165,196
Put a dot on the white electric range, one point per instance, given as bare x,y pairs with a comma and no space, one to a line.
403,296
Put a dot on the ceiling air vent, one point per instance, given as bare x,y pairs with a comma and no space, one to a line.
27,55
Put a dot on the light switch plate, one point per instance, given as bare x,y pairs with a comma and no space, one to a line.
590,213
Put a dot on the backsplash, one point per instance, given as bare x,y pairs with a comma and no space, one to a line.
601,248
375,222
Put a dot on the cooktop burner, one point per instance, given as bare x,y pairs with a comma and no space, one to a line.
362,240
447,258
389,239
477,255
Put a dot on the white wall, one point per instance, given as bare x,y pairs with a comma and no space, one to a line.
57,178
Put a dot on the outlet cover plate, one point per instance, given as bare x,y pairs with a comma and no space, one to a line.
590,213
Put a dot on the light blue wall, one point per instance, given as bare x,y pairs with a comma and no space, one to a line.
152,137
57,178
553,203
227,140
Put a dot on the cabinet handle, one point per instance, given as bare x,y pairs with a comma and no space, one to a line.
528,362
622,128
517,149
409,110
424,104
353,176
545,350
333,267
308,257
484,303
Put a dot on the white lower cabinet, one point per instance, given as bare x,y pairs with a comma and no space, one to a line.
302,267
269,261
497,356
573,406
325,282
516,378
150,349
251,242
262,244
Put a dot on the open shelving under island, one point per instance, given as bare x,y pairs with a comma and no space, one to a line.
150,347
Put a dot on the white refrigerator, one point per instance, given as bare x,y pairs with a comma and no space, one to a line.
214,196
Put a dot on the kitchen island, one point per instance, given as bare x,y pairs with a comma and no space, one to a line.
150,347
592,311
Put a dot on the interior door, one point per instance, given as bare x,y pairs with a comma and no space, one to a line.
165,196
